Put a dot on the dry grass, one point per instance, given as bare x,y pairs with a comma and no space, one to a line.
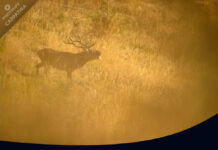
156,77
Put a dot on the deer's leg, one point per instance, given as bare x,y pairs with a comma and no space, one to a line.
38,66
46,69
69,74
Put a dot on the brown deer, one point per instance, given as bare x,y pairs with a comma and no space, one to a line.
68,61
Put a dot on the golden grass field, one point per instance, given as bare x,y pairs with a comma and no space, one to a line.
158,73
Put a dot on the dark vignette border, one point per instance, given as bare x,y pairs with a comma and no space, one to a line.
203,136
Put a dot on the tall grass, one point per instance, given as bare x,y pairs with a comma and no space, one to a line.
156,77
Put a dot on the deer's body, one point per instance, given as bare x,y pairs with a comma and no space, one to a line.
64,60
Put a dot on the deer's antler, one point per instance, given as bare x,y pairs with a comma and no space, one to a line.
80,42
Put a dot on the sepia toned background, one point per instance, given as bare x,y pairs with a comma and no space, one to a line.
157,76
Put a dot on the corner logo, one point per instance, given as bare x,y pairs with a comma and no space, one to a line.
12,12
7,7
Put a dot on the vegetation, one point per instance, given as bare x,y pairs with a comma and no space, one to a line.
157,76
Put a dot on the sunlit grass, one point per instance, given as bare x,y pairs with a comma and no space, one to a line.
152,80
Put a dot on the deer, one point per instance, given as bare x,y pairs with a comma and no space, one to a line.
67,61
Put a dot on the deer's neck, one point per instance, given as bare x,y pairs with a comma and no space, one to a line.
86,57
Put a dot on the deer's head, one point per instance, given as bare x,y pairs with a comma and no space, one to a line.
93,54
85,43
